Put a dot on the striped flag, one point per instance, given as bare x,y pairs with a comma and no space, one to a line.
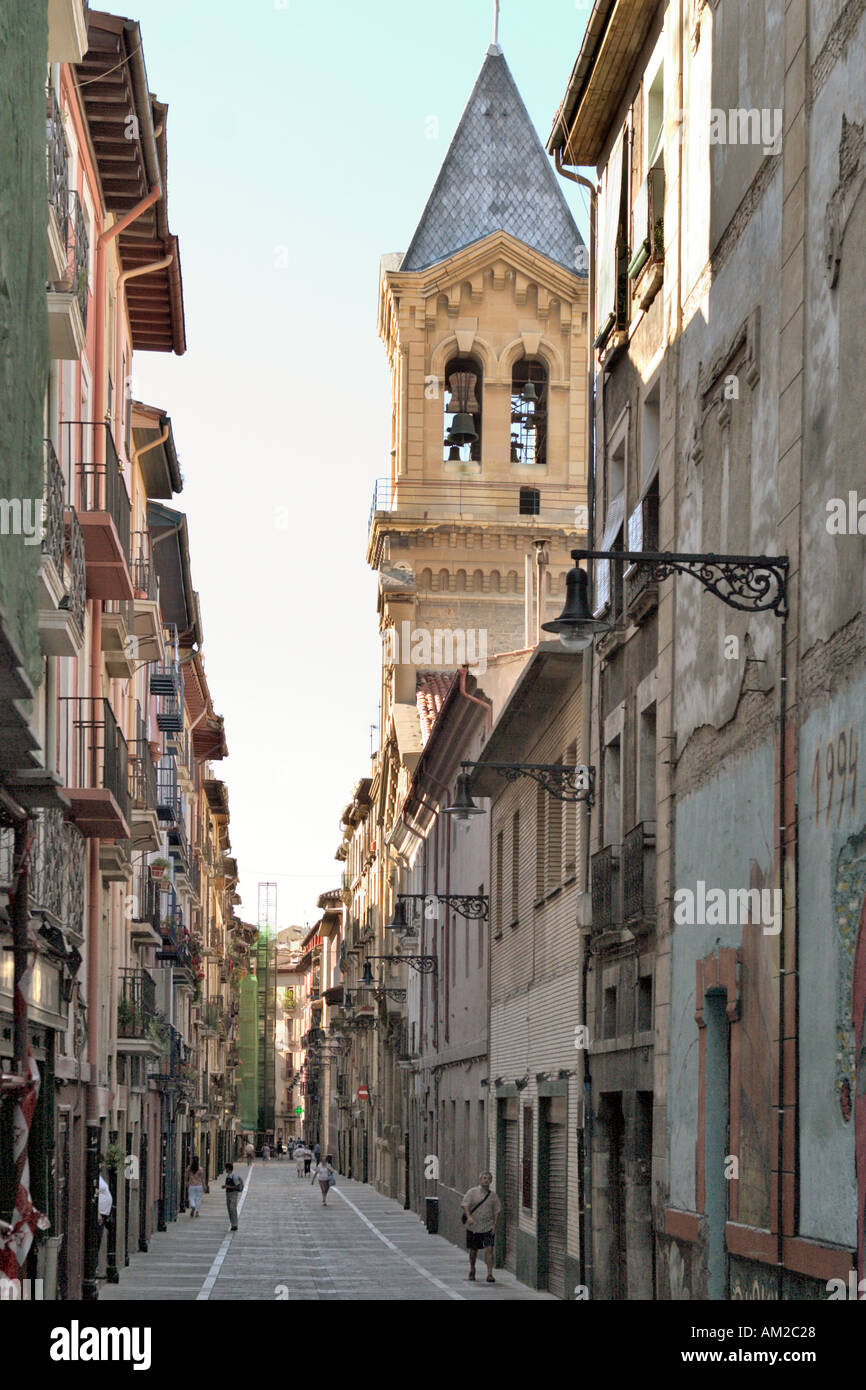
16,1239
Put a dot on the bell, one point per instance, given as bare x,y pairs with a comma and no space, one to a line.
463,430
347,1000
464,806
454,454
398,921
530,395
515,451
575,626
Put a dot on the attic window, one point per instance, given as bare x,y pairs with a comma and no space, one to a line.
529,390
463,389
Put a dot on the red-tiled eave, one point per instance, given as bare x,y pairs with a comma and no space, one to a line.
431,692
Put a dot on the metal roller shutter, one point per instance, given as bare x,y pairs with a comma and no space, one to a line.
557,1209
511,1195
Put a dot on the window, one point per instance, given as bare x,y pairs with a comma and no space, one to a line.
644,1020
608,1019
554,843
515,869
613,792
540,843
646,765
612,284
571,823
500,858
463,387
530,500
529,392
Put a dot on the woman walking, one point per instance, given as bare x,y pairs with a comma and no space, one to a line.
195,1186
299,1158
323,1173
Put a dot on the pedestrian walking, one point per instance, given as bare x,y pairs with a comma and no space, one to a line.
317,1150
195,1186
324,1174
104,1203
291,1149
266,1152
480,1210
234,1186
299,1159
308,1158
250,1152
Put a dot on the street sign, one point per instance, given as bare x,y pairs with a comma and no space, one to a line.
363,1093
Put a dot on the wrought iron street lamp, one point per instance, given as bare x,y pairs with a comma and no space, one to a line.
473,906
565,781
749,583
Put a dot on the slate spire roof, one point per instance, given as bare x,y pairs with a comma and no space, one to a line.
495,177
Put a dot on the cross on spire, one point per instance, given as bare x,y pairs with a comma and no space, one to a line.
496,21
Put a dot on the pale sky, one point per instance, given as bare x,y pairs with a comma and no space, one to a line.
302,145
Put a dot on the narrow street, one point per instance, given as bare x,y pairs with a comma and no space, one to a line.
363,1246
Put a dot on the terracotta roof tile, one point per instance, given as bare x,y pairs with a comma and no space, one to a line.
431,692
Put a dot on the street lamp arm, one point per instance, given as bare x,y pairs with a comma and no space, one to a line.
564,781
750,583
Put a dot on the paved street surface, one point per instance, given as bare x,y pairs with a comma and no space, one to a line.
362,1246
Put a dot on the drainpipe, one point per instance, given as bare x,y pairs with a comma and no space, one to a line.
145,448
586,1174
95,686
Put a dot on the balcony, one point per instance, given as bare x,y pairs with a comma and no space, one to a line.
62,577
475,499
169,798
57,159
96,778
147,624
171,926
605,891
639,878
119,645
142,797
68,291
104,508
178,847
139,1027
166,681
57,870
67,30
146,927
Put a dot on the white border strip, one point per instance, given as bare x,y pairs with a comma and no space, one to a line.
397,1251
213,1273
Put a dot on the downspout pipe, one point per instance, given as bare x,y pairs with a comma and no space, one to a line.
105,237
586,1175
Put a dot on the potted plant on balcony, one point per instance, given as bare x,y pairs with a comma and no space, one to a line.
115,1157
124,1014
158,869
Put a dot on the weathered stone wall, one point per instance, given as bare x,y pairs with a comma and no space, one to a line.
23,314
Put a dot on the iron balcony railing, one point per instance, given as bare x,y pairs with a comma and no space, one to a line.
75,276
146,905
169,798
179,845
77,591
638,876
605,865
474,498
96,750
166,681
57,155
57,868
62,540
53,507
194,875
101,484
142,777
136,1003
144,580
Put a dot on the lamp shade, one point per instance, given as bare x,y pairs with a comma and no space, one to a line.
398,921
463,806
575,626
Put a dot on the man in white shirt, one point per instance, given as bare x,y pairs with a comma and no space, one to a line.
481,1208
105,1202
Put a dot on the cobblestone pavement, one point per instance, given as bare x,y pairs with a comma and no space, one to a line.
361,1246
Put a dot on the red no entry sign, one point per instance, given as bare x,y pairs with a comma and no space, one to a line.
363,1093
